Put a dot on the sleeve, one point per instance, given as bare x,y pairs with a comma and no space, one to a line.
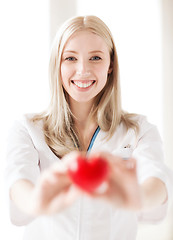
149,156
22,163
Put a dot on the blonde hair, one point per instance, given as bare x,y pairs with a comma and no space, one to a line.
58,121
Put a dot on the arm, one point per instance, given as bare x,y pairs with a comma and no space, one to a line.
153,193
25,185
124,191
20,194
52,192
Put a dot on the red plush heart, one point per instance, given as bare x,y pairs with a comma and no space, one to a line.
88,174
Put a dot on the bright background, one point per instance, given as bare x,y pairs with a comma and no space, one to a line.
27,30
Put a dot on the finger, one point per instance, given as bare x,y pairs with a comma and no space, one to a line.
64,199
102,154
100,192
58,168
130,164
68,158
111,159
126,164
56,176
72,194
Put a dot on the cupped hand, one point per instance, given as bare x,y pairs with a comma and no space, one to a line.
121,188
54,190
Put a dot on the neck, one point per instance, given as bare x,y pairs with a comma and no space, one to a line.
84,124
81,112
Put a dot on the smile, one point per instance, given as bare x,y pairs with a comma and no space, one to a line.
84,83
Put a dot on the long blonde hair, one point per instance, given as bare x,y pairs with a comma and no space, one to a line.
58,121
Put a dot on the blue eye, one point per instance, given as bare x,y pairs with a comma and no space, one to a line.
70,59
95,58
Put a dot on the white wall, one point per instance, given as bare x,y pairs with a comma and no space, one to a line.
60,10
167,64
167,77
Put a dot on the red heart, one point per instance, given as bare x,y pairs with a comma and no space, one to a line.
88,174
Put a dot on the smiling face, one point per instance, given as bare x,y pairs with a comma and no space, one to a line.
85,65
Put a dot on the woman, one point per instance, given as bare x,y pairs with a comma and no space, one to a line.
85,116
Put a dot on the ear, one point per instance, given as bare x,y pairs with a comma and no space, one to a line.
110,68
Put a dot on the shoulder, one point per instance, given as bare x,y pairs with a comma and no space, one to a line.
27,120
25,132
138,118
144,127
148,132
142,121
24,123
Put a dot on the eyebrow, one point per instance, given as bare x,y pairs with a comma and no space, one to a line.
94,51
69,51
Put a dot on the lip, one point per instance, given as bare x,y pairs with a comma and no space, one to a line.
83,84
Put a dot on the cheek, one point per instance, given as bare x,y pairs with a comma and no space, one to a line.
63,71
102,73
65,74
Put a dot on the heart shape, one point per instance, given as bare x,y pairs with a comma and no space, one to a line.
88,174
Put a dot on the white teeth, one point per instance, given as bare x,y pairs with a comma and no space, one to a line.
83,85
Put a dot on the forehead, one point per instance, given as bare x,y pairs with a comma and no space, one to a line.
85,40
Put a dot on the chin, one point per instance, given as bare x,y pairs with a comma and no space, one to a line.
82,99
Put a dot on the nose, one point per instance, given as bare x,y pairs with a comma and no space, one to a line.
83,69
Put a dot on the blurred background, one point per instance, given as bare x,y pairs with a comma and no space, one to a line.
143,34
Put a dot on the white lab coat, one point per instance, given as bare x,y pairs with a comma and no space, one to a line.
87,219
